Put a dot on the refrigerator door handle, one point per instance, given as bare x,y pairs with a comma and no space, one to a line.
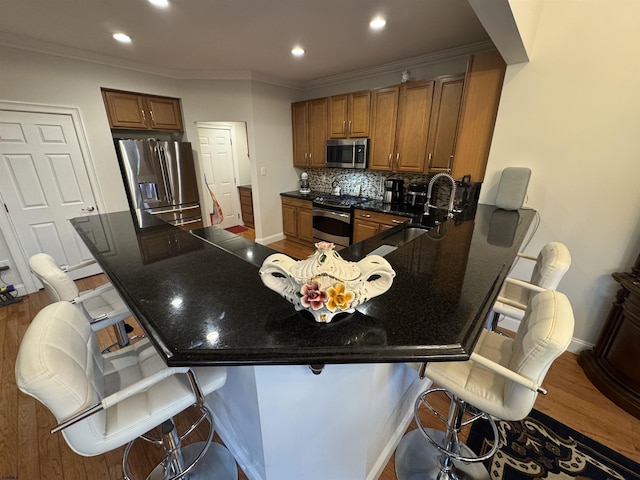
165,178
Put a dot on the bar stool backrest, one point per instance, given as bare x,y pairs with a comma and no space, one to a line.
56,282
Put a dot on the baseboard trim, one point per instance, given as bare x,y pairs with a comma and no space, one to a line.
270,239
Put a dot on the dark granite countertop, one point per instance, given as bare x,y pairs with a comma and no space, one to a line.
201,301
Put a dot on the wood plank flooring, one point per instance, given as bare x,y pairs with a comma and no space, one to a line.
28,451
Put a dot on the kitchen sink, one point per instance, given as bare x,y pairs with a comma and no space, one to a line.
398,238
404,236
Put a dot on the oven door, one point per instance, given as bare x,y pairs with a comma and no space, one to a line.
331,226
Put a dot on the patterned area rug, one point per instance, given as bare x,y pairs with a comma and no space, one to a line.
540,447
236,229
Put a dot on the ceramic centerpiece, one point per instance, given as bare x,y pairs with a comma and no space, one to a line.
325,284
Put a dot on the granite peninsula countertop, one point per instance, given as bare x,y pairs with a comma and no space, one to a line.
199,297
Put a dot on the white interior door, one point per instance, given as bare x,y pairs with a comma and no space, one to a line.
218,164
44,183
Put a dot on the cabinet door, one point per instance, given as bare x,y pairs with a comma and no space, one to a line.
338,116
165,113
300,136
363,229
383,128
125,110
483,86
305,224
414,113
444,123
317,132
359,114
289,220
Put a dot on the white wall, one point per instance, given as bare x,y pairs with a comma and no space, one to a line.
571,115
272,156
31,77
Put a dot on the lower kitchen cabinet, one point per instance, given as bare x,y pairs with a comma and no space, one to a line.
297,219
367,223
246,206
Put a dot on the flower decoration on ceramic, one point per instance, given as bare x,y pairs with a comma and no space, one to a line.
325,284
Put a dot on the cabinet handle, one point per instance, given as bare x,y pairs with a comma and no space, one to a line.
365,215
144,117
396,221
397,159
153,118
344,127
349,127
389,162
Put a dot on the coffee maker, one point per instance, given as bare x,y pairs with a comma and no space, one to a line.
393,191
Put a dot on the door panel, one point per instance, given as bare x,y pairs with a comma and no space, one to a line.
218,164
44,183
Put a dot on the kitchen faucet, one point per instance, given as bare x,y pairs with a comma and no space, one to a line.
452,194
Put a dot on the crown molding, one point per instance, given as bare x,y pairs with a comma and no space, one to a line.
38,46
399,65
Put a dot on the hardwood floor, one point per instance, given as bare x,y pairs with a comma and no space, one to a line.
29,451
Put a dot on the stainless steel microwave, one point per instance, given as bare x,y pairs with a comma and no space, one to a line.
347,153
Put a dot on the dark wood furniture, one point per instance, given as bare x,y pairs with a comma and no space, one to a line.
246,205
612,364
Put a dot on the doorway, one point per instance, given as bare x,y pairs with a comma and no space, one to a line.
44,182
224,161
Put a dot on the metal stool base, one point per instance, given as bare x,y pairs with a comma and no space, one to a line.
416,459
217,463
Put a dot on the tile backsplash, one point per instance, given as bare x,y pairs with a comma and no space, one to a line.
366,183
363,183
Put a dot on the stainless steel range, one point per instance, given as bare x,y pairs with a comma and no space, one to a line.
332,218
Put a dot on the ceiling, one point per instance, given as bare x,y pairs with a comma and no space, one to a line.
242,38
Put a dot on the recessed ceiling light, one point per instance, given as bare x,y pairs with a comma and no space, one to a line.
160,3
297,51
377,23
122,37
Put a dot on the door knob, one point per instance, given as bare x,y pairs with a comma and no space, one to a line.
88,209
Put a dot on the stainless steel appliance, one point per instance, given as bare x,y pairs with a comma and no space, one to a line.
347,153
416,194
160,179
332,218
393,191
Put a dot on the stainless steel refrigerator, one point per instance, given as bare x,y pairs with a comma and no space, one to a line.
160,178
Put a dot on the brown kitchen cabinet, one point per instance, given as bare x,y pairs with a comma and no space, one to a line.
445,112
135,111
246,206
367,223
384,115
349,115
309,121
423,122
297,220
480,100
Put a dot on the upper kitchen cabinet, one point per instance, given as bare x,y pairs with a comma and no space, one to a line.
309,120
349,115
481,96
384,116
444,123
401,120
135,111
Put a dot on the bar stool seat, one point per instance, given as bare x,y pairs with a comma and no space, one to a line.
502,379
101,306
104,401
